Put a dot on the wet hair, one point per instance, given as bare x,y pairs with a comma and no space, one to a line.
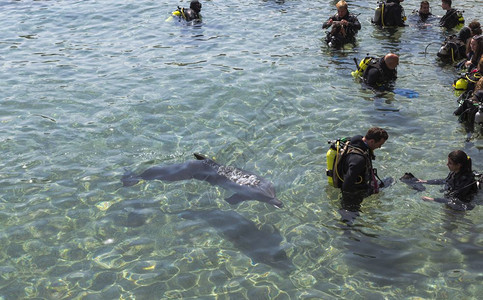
460,157
479,49
195,5
447,2
376,134
341,4
475,27
423,2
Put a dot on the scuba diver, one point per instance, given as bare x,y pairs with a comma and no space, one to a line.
470,109
424,12
389,13
467,82
345,26
460,186
452,18
355,168
474,51
189,14
382,71
453,48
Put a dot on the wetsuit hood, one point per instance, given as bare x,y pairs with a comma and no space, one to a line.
357,141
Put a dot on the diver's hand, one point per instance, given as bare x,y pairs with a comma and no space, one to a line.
427,198
422,181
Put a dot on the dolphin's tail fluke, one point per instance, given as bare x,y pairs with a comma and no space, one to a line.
129,178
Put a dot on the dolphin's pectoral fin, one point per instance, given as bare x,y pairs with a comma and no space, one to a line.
236,198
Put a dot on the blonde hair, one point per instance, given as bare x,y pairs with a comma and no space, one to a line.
341,4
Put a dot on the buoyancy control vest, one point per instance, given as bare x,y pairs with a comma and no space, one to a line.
337,154
389,13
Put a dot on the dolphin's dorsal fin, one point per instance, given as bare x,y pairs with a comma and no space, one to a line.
199,156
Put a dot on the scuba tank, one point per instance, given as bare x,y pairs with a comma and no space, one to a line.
333,158
378,14
362,66
479,115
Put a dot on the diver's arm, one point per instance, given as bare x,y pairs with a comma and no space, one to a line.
328,23
433,181
354,24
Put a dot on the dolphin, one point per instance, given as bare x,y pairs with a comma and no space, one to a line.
261,245
244,185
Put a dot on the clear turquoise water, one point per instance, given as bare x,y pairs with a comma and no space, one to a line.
89,88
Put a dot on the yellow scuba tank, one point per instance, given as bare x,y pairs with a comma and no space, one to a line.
361,67
460,84
333,157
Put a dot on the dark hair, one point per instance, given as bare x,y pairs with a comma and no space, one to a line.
460,157
423,2
195,5
376,134
475,27
479,49
447,2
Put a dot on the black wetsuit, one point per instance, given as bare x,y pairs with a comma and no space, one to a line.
353,24
356,168
377,74
391,16
189,14
451,19
459,190
424,17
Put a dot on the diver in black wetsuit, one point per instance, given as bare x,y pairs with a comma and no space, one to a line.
382,71
192,13
346,25
459,186
389,13
424,11
452,18
359,178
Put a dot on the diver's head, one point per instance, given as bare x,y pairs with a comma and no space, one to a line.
391,60
464,34
375,138
475,28
424,7
195,5
446,4
458,161
342,8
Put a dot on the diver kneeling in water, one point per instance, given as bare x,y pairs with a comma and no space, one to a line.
345,26
460,186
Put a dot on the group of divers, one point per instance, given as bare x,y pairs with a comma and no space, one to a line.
349,160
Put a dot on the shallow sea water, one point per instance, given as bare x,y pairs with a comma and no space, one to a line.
90,88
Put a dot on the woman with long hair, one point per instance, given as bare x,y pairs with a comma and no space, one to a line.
460,185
